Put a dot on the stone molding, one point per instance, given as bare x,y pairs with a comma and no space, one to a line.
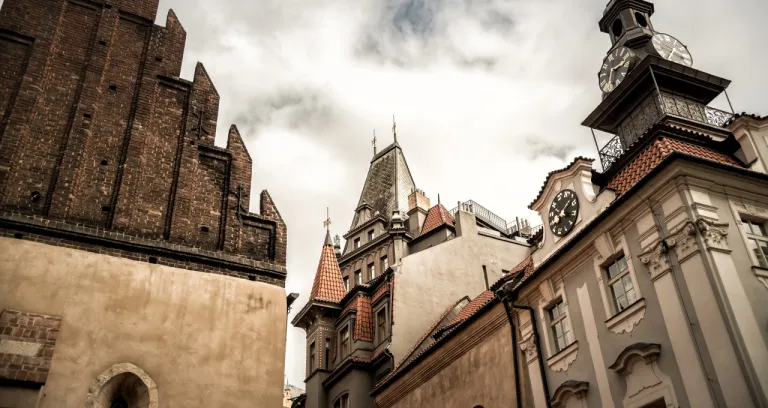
564,358
568,389
94,398
648,351
714,234
529,348
626,320
684,244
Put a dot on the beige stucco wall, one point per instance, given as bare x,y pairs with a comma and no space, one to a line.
206,340
484,375
430,281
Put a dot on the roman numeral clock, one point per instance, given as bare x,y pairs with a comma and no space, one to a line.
563,212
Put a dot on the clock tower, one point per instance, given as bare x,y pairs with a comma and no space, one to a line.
651,90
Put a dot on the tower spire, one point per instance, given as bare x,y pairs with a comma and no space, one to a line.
394,128
374,142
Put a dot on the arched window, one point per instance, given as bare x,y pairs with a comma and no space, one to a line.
122,386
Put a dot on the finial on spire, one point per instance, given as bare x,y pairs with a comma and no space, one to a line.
374,142
394,128
327,221
438,199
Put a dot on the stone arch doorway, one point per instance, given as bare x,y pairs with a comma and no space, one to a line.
122,386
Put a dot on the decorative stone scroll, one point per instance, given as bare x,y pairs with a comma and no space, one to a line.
682,240
714,234
529,348
570,389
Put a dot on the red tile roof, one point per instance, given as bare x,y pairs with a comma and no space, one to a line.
436,217
649,158
381,291
364,319
328,284
426,337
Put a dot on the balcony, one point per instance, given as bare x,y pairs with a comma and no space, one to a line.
508,229
651,111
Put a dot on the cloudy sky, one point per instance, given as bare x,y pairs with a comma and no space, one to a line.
488,95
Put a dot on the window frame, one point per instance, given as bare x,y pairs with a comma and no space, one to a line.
357,243
371,235
327,355
358,274
346,283
344,345
371,270
342,401
311,357
748,226
610,282
562,319
381,327
384,263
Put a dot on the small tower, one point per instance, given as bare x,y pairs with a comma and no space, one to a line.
317,317
628,22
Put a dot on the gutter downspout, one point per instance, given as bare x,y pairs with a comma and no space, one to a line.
507,295
543,371
518,397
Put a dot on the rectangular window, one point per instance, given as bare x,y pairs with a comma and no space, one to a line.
346,283
621,285
371,235
311,357
560,325
357,277
344,342
372,270
357,243
327,361
381,324
757,240
384,263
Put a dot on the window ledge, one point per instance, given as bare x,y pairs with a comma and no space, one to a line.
626,320
762,274
564,358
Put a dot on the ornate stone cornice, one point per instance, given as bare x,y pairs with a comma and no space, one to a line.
681,240
578,389
714,234
648,351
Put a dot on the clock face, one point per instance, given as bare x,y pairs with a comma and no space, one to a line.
615,68
563,212
671,49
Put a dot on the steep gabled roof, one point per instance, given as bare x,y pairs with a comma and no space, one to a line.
437,217
387,184
328,284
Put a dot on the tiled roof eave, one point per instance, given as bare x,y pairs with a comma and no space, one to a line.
554,172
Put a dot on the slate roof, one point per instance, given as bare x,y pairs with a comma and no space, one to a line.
328,284
437,217
649,158
379,188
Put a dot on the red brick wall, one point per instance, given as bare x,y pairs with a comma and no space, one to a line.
28,328
97,129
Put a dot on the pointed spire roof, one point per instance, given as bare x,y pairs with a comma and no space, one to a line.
328,285
436,217
387,184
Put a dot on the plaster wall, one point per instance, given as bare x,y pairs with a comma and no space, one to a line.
204,339
430,281
357,384
483,375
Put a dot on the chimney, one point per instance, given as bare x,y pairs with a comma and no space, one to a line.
418,206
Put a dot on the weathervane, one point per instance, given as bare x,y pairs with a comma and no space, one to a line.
327,221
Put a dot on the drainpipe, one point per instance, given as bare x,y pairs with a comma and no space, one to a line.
518,397
508,295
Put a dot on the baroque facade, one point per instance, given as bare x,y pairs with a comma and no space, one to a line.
646,287
131,270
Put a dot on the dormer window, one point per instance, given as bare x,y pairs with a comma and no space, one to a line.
371,235
357,243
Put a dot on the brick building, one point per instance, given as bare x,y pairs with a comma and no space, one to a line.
131,269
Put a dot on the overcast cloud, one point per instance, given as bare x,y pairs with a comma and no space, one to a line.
488,94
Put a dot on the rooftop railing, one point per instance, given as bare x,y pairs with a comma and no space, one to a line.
650,112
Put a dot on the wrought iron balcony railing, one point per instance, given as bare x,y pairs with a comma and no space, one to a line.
650,112
483,214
